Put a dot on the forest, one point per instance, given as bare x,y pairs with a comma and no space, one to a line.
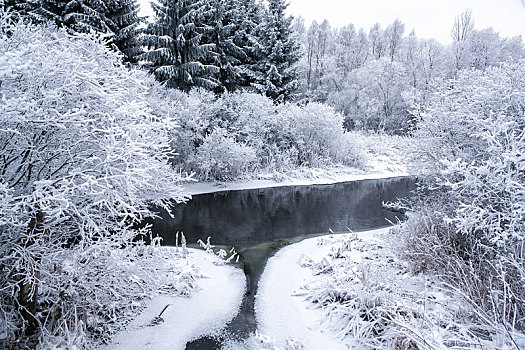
105,114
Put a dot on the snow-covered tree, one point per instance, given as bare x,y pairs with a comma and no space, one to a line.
461,30
82,159
378,44
175,53
393,36
246,37
225,19
117,18
22,8
471,139
124,24
381,106
277,76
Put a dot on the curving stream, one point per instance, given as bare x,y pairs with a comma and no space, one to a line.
258,222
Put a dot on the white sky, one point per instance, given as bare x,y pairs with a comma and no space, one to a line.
430,18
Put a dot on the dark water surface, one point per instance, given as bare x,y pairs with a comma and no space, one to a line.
259,222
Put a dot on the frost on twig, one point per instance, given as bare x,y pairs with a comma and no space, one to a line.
222,254
158,319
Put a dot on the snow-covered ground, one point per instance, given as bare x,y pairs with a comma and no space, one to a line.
211,304
301,177
350,291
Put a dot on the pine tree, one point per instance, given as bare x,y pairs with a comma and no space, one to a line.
20,8
221,17
77,15
280,51
119,18
175,52
124,24
247,37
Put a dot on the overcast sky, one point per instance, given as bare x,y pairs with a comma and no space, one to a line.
430,18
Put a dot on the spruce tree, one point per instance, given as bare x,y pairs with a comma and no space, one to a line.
21,8
248,21
124,22
175,52
77,15
119,18
221,17
277,76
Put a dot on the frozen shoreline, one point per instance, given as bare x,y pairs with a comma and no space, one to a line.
210,306
282,313
320,177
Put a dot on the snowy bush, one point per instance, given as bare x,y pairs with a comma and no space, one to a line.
370,301
222,158
447,127
472,138
82,158
219,136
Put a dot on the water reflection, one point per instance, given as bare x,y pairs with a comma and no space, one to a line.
264,215
259,222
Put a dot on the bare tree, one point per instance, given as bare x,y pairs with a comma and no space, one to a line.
461,30
463,26
394,36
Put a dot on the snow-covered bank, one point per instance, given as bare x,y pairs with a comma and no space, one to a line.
298,178
350,291
213,303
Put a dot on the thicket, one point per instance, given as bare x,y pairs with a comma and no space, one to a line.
470,140
375,77
82,159
243,134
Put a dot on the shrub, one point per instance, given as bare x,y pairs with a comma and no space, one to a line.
82,159
219,136
472,138
220,157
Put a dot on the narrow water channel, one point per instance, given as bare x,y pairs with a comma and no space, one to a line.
259,222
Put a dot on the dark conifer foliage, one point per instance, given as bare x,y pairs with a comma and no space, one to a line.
21,8
125,22
277,76
247,37
222,17
175,52
118,18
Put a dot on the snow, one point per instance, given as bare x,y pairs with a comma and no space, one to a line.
280,314
350,291
299,178
208,309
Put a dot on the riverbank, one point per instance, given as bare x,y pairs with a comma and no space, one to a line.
201,298
300,177
384,157
351,291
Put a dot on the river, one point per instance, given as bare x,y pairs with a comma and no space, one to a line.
258,222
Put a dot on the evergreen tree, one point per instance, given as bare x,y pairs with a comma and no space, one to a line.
247,37
175,52
124,24
77,15
221,16
277,76
21,8
233,26
119,18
